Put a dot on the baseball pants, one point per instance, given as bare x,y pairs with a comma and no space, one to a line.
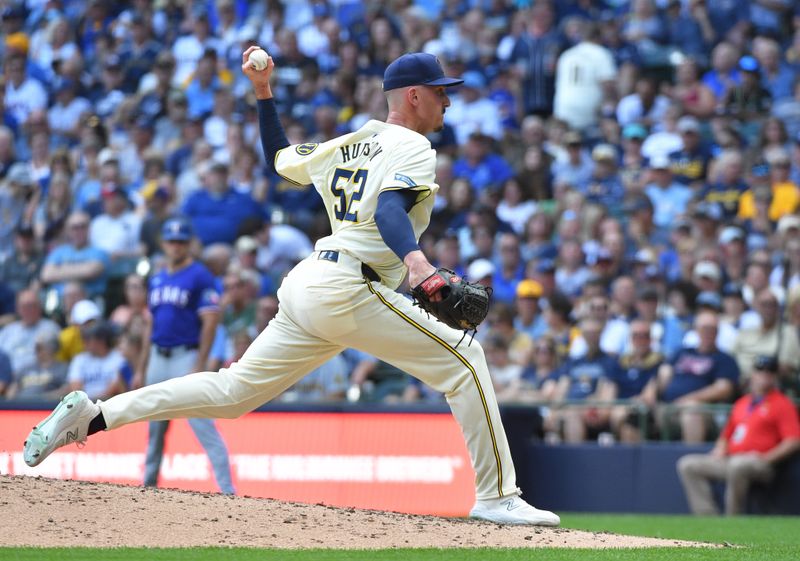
159,369
738,472
325,307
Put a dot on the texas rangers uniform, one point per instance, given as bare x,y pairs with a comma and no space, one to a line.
176,300
343,295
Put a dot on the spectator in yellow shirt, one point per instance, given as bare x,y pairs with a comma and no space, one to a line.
785,193
84,313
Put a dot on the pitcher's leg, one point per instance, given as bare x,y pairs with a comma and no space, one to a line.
282,354
156,432
395,331
207,434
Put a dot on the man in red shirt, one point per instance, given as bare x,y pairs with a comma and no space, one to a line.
763,430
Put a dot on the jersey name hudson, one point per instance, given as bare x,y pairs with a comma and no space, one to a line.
353,151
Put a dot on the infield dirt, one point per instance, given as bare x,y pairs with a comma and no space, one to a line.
54,513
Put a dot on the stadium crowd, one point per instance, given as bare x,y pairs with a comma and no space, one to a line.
625,174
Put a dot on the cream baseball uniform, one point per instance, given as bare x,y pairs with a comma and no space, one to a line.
327,304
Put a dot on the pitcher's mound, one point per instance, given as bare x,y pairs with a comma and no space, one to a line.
54,513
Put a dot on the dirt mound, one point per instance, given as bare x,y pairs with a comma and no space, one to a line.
50,513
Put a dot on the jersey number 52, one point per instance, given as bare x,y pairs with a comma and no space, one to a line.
348,185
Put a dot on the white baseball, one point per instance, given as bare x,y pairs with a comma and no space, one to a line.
259,59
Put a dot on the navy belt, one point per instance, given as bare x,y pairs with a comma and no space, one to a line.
167,352
366,270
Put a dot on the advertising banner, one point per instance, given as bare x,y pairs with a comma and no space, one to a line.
404,462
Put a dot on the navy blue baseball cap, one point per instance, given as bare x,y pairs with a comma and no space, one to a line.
414,69
177,229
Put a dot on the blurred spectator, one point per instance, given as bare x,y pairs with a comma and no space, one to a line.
17,339
189,49
724,73
101,371
529,318
515,208
20,269
471,111
216,210
47,377
482,167
637,368
280,247
116,232
133,316
785,193
748,101
571,273
614,331
670,198
773,337
576,168
689,31
535,55
139,52
82,314
762,431
726,187
539,380
77,260
696,376
519,345
604,186
23,93
65,116
15,195
776,75
690,163
645,106
586,379
584,80
504,372
51,213
644,28
510,269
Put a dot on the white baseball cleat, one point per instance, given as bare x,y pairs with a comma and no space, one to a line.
69,422
513,510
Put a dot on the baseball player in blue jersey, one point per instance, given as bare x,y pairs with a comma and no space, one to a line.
184,304
378,187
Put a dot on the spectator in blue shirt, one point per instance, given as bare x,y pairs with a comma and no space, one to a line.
696,376
76,260
776,76
510,269
637,368
724,74
200,91
217,211
727,188
727,17
689,32
588,378
690,164
604,187
669,197
482,168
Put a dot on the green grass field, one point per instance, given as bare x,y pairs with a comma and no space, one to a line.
750,538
